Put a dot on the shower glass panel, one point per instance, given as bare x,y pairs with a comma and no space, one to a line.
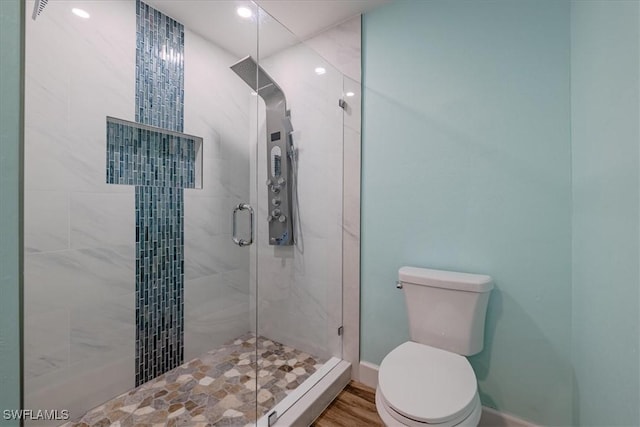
138,304
183,213
300,156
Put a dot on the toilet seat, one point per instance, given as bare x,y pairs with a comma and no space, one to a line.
391,418
423,385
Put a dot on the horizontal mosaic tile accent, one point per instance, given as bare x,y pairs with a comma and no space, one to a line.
149,157
159,281
159,69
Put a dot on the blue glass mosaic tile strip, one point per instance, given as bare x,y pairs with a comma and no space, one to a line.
159,69
159,281
141,156
160,165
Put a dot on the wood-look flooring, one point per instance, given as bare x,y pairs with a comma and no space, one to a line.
355,406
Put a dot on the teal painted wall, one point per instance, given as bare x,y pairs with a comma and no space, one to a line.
10,214
502,137
605,135
466,167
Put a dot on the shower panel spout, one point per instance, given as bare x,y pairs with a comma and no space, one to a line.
280,152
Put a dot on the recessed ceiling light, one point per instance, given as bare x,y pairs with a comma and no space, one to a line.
320,71
244,12
81,13
350,94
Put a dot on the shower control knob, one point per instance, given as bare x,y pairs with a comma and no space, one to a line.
269,182
275,189
281,181
282,218
275,213
270,218
276,201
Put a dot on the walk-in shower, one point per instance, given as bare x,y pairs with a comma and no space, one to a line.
139,308
280,150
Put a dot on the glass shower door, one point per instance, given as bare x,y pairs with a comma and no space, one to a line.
183,212
137,152
298,203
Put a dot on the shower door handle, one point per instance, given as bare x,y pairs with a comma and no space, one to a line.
236,239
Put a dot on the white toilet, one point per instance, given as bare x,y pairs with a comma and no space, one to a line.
427,381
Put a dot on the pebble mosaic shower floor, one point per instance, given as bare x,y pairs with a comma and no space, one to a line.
216,389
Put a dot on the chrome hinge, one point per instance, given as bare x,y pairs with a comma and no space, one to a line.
342,104
340,331
272,418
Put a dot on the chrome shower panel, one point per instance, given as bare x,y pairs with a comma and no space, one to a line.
279,150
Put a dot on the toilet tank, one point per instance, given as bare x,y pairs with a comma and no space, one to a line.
446,309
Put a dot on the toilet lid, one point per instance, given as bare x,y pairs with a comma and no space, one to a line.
427,384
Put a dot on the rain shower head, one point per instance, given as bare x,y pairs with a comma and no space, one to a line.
257,79
38,7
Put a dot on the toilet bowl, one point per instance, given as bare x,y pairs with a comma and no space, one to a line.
421,386
427,381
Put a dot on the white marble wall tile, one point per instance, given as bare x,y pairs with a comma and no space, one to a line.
205,218
70,90
46,342
74,277
102,330
207,215
340,45
46,221
298,319
215,312
99,219
47,154
77,306
206,256
210,83
216,270
60,390
238,279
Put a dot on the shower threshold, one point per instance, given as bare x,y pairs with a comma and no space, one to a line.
218,388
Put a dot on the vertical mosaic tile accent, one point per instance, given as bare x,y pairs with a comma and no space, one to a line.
152,155
143,156
159,280
159,69
159,208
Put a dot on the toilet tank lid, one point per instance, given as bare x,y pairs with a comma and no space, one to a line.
446,279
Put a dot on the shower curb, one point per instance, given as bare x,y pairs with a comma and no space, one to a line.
315,401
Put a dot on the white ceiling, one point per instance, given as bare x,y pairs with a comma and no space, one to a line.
217,20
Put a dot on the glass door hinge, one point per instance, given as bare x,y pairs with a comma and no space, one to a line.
272,418
340,331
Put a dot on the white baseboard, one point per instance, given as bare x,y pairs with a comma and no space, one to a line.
493,418
368,375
